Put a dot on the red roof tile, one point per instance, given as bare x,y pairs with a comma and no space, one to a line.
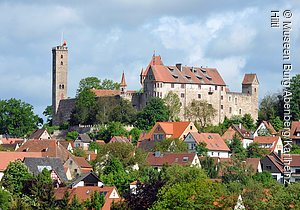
123,82
170,158
253,163
295,129
295,160
248,79
267,140
7,157
270,127
5,140
100,93
82,163
122,139
213,141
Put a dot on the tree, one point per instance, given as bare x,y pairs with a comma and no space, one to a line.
263,132
75,204
270,107
154,111
72,135
171,145
5,200
295,149
277,123
123,112
248,122
79,152
48,114
200,111
236,147
112,129
254,151
172,102
108,84
295,100
17,118
84,111
15,175
96,202
41,189
208,165
135,134
88,84
201,149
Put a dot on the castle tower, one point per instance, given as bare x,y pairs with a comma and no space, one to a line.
250,86
123,84
59,75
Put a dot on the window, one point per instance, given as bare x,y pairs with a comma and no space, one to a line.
255,90
297,171
182,95
161,94
161,136
240,111
199,87
61,63
222,88
61,56
191,127
172,85
154,85
230,109
269,168
221,106
216,87
182,85
229,98
235,101
161,85
221,97
199,95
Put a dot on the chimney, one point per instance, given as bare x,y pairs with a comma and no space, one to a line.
240,125
179,66
157,154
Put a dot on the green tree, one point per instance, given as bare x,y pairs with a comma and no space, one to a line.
236,147
248,122
5,200
15,175
171,145
270,107
108,84
17,118
79,152
277,123
48,114
201,149
94,146
112,129
154,111
254,151
295,149
263,132
172,102
75,204
84,111
123,112
200,111
88,84
208,165
135,134
295,100
72,135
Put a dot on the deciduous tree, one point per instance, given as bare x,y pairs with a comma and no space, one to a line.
295,97
172,101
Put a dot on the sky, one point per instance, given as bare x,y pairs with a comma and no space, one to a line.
108,37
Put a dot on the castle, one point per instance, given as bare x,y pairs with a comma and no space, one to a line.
157,80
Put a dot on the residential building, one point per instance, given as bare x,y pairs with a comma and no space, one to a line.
295,168
266,128
83,141
87,179
52,164
40,134
271,143
240,132
295,132
121,139
214,143
274,165
158,159
77,166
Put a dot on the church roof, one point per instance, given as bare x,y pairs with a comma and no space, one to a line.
123,82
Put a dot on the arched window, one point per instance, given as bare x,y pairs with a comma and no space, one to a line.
61,56
61,63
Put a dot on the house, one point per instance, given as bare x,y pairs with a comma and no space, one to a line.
158,159
40,134
295,132
121,139
8,140
83,141
77,165
10,147
134,185
214,143
266,128
83,193
273,164
7,157
164,130
295,167
48,148
87,179
254,163
69,145
240,132
54,165
272,143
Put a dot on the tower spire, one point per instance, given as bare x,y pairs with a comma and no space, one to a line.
123,84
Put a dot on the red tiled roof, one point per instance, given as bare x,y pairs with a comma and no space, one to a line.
49,148
119,139
170,158
295,129
248,79
37,133
155,60
229,134
5,140
100,93
295,160
276,163
213,141
175,129
84,193
245,133
267,140
123,82
253,163
7,157
81,162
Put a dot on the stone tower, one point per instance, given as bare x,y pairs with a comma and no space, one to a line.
250,86
59,75
123,84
